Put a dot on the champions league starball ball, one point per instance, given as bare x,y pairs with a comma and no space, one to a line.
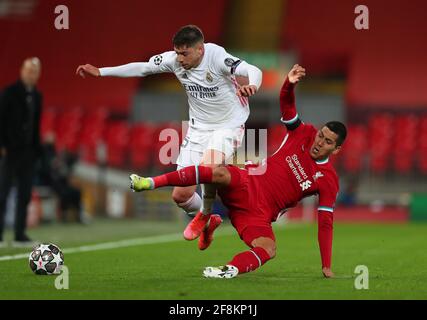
46,259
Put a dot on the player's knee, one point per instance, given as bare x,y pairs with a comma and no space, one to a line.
269,245
181,196
220,175
271,250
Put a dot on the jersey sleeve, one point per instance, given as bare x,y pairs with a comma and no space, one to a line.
227,65
290,117
223,62
160,63
328,190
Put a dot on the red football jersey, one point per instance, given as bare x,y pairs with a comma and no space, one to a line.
291,173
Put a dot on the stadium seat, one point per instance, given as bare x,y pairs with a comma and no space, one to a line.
421,154
92,133
381,129
354,149
170,130
117,143
47,122
404,154
142,141
68,125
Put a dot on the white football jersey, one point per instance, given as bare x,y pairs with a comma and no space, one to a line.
211,87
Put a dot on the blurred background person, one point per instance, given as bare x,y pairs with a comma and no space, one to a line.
20,109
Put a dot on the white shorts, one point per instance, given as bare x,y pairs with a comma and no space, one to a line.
197,141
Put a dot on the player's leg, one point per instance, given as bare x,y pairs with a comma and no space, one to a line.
211,158
24,179
262,242
233,192
262,249
221,145
187,199
185,177
199,224
7,171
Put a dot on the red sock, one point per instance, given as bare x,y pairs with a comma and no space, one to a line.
250,260
187,176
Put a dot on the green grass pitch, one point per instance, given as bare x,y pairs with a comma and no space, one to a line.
394,254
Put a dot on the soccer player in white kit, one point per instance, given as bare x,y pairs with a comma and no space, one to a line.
218,111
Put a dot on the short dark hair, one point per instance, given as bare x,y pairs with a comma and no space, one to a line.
188,36
339,129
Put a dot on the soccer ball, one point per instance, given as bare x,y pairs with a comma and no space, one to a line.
46,259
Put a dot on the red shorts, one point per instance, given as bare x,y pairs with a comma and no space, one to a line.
247,209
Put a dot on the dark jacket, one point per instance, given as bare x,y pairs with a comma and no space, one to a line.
14,115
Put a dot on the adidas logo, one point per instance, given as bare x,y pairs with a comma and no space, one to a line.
305,185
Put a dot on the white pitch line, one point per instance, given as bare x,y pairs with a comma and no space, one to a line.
227,230
117,244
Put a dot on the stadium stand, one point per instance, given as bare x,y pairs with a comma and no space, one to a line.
142,139
353,150
422,148
67,128
60,51
117,138
380,131
92,134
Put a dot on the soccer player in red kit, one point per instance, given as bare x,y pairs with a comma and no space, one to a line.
298,169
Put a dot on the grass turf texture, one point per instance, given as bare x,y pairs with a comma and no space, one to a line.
394,254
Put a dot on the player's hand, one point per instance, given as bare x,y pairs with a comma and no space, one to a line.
247,90
327,273
88,69
297,72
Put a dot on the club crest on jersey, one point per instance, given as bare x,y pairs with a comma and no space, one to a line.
229,62
209,77
305,185
317,175
158,60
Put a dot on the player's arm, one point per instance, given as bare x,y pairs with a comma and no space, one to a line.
324,237
254,75
228,65
157,64
287,98
328,190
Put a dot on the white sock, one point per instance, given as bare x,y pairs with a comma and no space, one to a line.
192,205
209,195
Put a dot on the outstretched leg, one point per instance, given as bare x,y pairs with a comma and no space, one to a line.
263,249
189,176
184,177
187,199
